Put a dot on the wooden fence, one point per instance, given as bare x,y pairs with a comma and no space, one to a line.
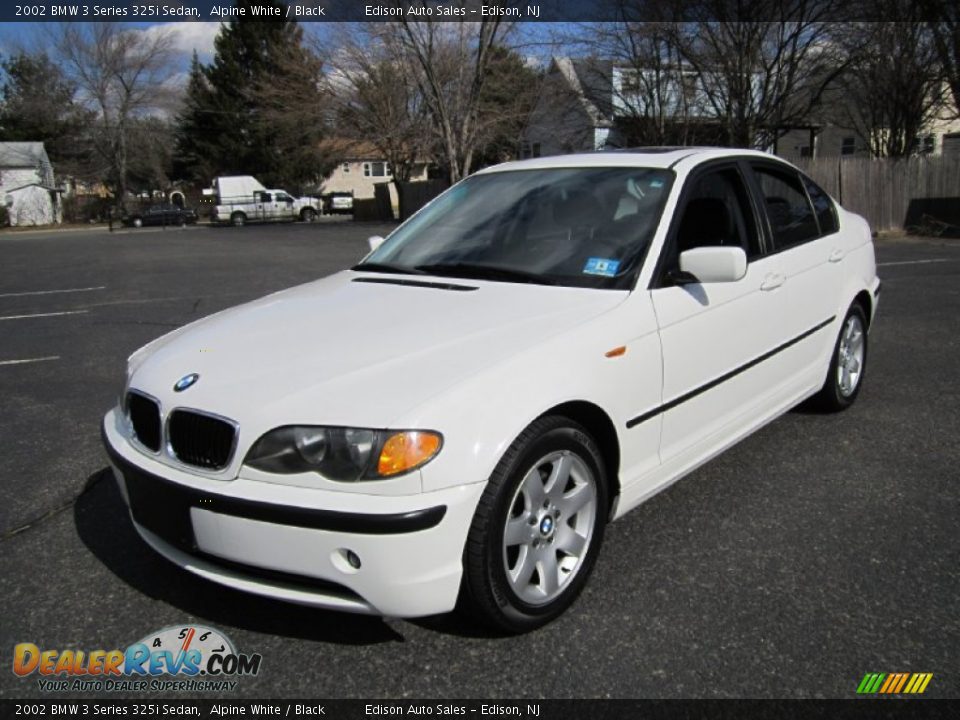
415,195
892,194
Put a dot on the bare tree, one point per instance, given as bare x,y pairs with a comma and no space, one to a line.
640,83
378,102
893,87
944,25
122,75
758,78
450,62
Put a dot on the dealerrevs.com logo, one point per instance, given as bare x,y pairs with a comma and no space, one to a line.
197,658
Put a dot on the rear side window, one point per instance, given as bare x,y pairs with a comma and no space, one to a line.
788,208
823,206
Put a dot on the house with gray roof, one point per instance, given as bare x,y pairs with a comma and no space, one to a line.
589,104
574,111
27,188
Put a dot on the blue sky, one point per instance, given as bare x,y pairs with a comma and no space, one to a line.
199,36
187,36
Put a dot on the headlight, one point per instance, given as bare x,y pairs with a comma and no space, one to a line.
343,454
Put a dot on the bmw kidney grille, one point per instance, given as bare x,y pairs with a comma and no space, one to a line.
192,437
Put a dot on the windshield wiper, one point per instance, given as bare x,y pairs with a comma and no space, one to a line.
484,272
387,268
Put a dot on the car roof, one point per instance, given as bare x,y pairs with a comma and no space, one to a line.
652,157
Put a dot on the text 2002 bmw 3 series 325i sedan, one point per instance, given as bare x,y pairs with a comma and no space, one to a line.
454,420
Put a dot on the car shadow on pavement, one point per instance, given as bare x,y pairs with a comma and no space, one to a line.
104,526
457,625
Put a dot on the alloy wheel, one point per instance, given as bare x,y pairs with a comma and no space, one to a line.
549,527
850,356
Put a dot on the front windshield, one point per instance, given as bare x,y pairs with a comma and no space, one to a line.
581,227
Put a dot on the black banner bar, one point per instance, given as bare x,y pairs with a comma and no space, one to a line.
859,709
465,10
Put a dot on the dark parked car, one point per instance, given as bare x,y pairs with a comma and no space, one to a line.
166,214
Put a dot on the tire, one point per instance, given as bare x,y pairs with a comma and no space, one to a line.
848,363
181,222
508,584
137,222
308,215
238,219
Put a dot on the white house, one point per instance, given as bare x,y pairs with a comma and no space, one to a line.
27,186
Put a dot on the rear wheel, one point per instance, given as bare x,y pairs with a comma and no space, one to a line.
238,219
847,364
538,528
137,222
308,215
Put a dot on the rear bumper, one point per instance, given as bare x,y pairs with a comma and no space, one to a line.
292,543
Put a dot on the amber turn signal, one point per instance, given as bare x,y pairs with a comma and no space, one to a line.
404,451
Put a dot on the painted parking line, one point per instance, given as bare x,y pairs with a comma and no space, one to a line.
29,360
913,262
52,292
40,315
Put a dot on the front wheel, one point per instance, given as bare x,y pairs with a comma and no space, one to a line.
137,222
538,528
847,364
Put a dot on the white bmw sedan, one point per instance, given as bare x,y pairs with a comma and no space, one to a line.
454,421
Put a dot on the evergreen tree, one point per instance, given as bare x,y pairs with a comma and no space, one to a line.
195,152
255,110
37,104
506,101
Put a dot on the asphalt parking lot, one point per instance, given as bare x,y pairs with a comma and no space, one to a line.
819,549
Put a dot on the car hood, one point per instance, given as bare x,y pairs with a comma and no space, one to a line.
355,349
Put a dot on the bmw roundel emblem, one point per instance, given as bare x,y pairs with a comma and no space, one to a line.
185,382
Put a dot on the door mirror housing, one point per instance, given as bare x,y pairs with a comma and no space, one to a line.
375,241
714,264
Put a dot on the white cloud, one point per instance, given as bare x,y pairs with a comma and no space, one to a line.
189,36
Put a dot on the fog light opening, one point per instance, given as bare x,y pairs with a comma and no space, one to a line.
346,560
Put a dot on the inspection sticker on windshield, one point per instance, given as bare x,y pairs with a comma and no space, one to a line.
601,266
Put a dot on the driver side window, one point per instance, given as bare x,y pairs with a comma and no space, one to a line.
717,213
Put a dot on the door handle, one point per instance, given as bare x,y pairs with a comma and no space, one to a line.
836,256
773,281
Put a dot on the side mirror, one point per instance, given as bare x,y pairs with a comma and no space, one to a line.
374,241
714,264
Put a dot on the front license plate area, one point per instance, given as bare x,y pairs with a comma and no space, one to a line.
162,507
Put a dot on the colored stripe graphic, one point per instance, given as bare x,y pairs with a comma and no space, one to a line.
891,679
894,683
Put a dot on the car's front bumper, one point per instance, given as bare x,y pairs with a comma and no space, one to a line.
291,543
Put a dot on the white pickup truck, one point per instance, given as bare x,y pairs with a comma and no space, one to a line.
241,199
